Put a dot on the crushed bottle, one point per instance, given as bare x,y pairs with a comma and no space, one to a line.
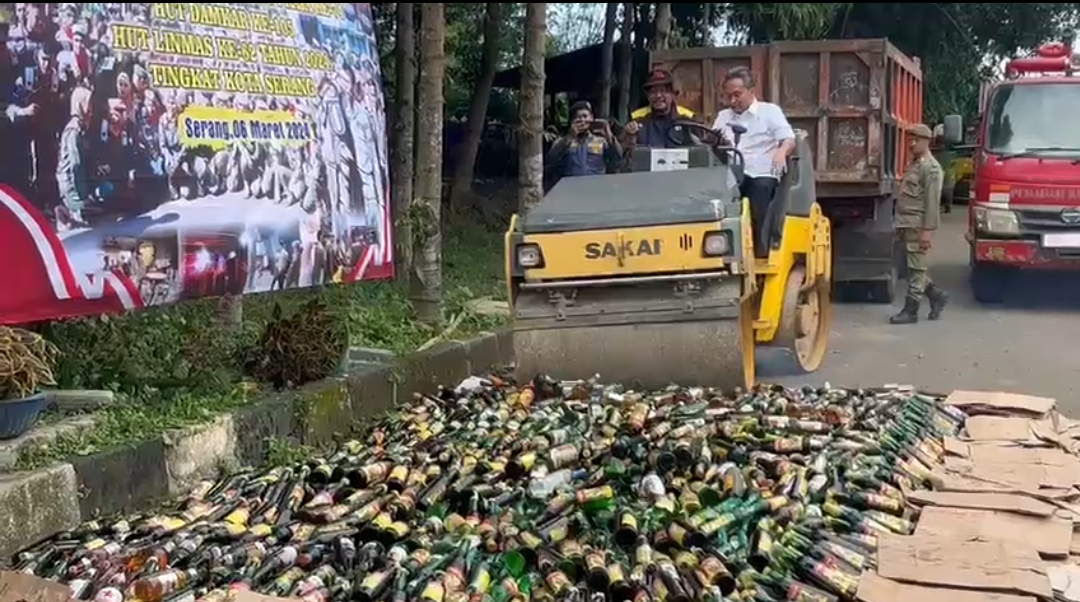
555,491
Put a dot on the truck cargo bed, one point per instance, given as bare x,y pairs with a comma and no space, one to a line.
853,98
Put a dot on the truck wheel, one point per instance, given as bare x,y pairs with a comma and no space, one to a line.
883,291
988,282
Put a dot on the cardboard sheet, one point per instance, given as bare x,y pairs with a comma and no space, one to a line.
1005,502
875,588
1074,548
958,482
1048,536
1000,402
956,447
1003,428
1009,466
977,565
998,453
20,587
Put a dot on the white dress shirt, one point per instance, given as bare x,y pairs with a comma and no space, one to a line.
766,128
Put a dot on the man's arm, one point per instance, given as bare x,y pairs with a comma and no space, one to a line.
556,153
554,161
932,179
613,151
782,132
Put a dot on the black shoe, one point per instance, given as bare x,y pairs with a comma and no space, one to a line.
909,314
938,300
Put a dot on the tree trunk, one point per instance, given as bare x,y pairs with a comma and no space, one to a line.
426,282
626,62
706,25
661,41
489,63
607,54
404,167
531,142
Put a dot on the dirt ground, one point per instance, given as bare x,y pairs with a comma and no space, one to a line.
1029,344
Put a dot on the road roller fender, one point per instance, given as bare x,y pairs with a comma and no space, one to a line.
819,257
747,263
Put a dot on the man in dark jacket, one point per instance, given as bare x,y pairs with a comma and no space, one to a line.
587,150
651,126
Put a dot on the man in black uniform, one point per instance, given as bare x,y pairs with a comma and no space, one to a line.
651,125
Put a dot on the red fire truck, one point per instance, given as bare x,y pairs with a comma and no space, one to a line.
1025,195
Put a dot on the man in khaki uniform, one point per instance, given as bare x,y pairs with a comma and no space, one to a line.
918,214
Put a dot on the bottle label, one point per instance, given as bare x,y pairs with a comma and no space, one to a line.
399,473
788,444
840,581
643,555
557,582
529,540
596,494
564,455
848,555
595,561
481,581
799,593
717,524
685,558
677,533
571,548
433,592
261,530
884,503
713,569
398,529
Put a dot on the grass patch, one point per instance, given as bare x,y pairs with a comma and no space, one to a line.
173,367
134,419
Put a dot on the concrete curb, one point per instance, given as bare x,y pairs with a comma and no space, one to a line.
37,504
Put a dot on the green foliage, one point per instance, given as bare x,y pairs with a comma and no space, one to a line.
464,44
136,418
180,347
162,348
768,21
955,41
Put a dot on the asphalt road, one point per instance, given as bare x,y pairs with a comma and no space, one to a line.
1029,344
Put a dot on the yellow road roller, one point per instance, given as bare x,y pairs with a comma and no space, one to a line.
650,277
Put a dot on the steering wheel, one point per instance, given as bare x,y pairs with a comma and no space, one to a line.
724,150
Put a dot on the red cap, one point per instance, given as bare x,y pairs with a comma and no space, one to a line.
660,77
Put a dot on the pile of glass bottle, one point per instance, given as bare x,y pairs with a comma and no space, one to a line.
552,491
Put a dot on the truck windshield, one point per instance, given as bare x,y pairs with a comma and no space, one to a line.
1035,119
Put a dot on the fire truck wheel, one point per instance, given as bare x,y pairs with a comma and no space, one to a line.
988,282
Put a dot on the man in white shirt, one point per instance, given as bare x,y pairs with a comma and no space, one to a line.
765,147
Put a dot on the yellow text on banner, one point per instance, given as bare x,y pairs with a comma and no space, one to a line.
218,127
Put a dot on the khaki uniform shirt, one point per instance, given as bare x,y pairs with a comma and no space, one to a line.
918,205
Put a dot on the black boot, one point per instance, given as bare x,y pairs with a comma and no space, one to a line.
938,300
908,315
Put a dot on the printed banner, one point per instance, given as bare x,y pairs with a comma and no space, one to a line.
156,152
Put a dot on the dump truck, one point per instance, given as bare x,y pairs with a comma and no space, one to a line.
854,98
